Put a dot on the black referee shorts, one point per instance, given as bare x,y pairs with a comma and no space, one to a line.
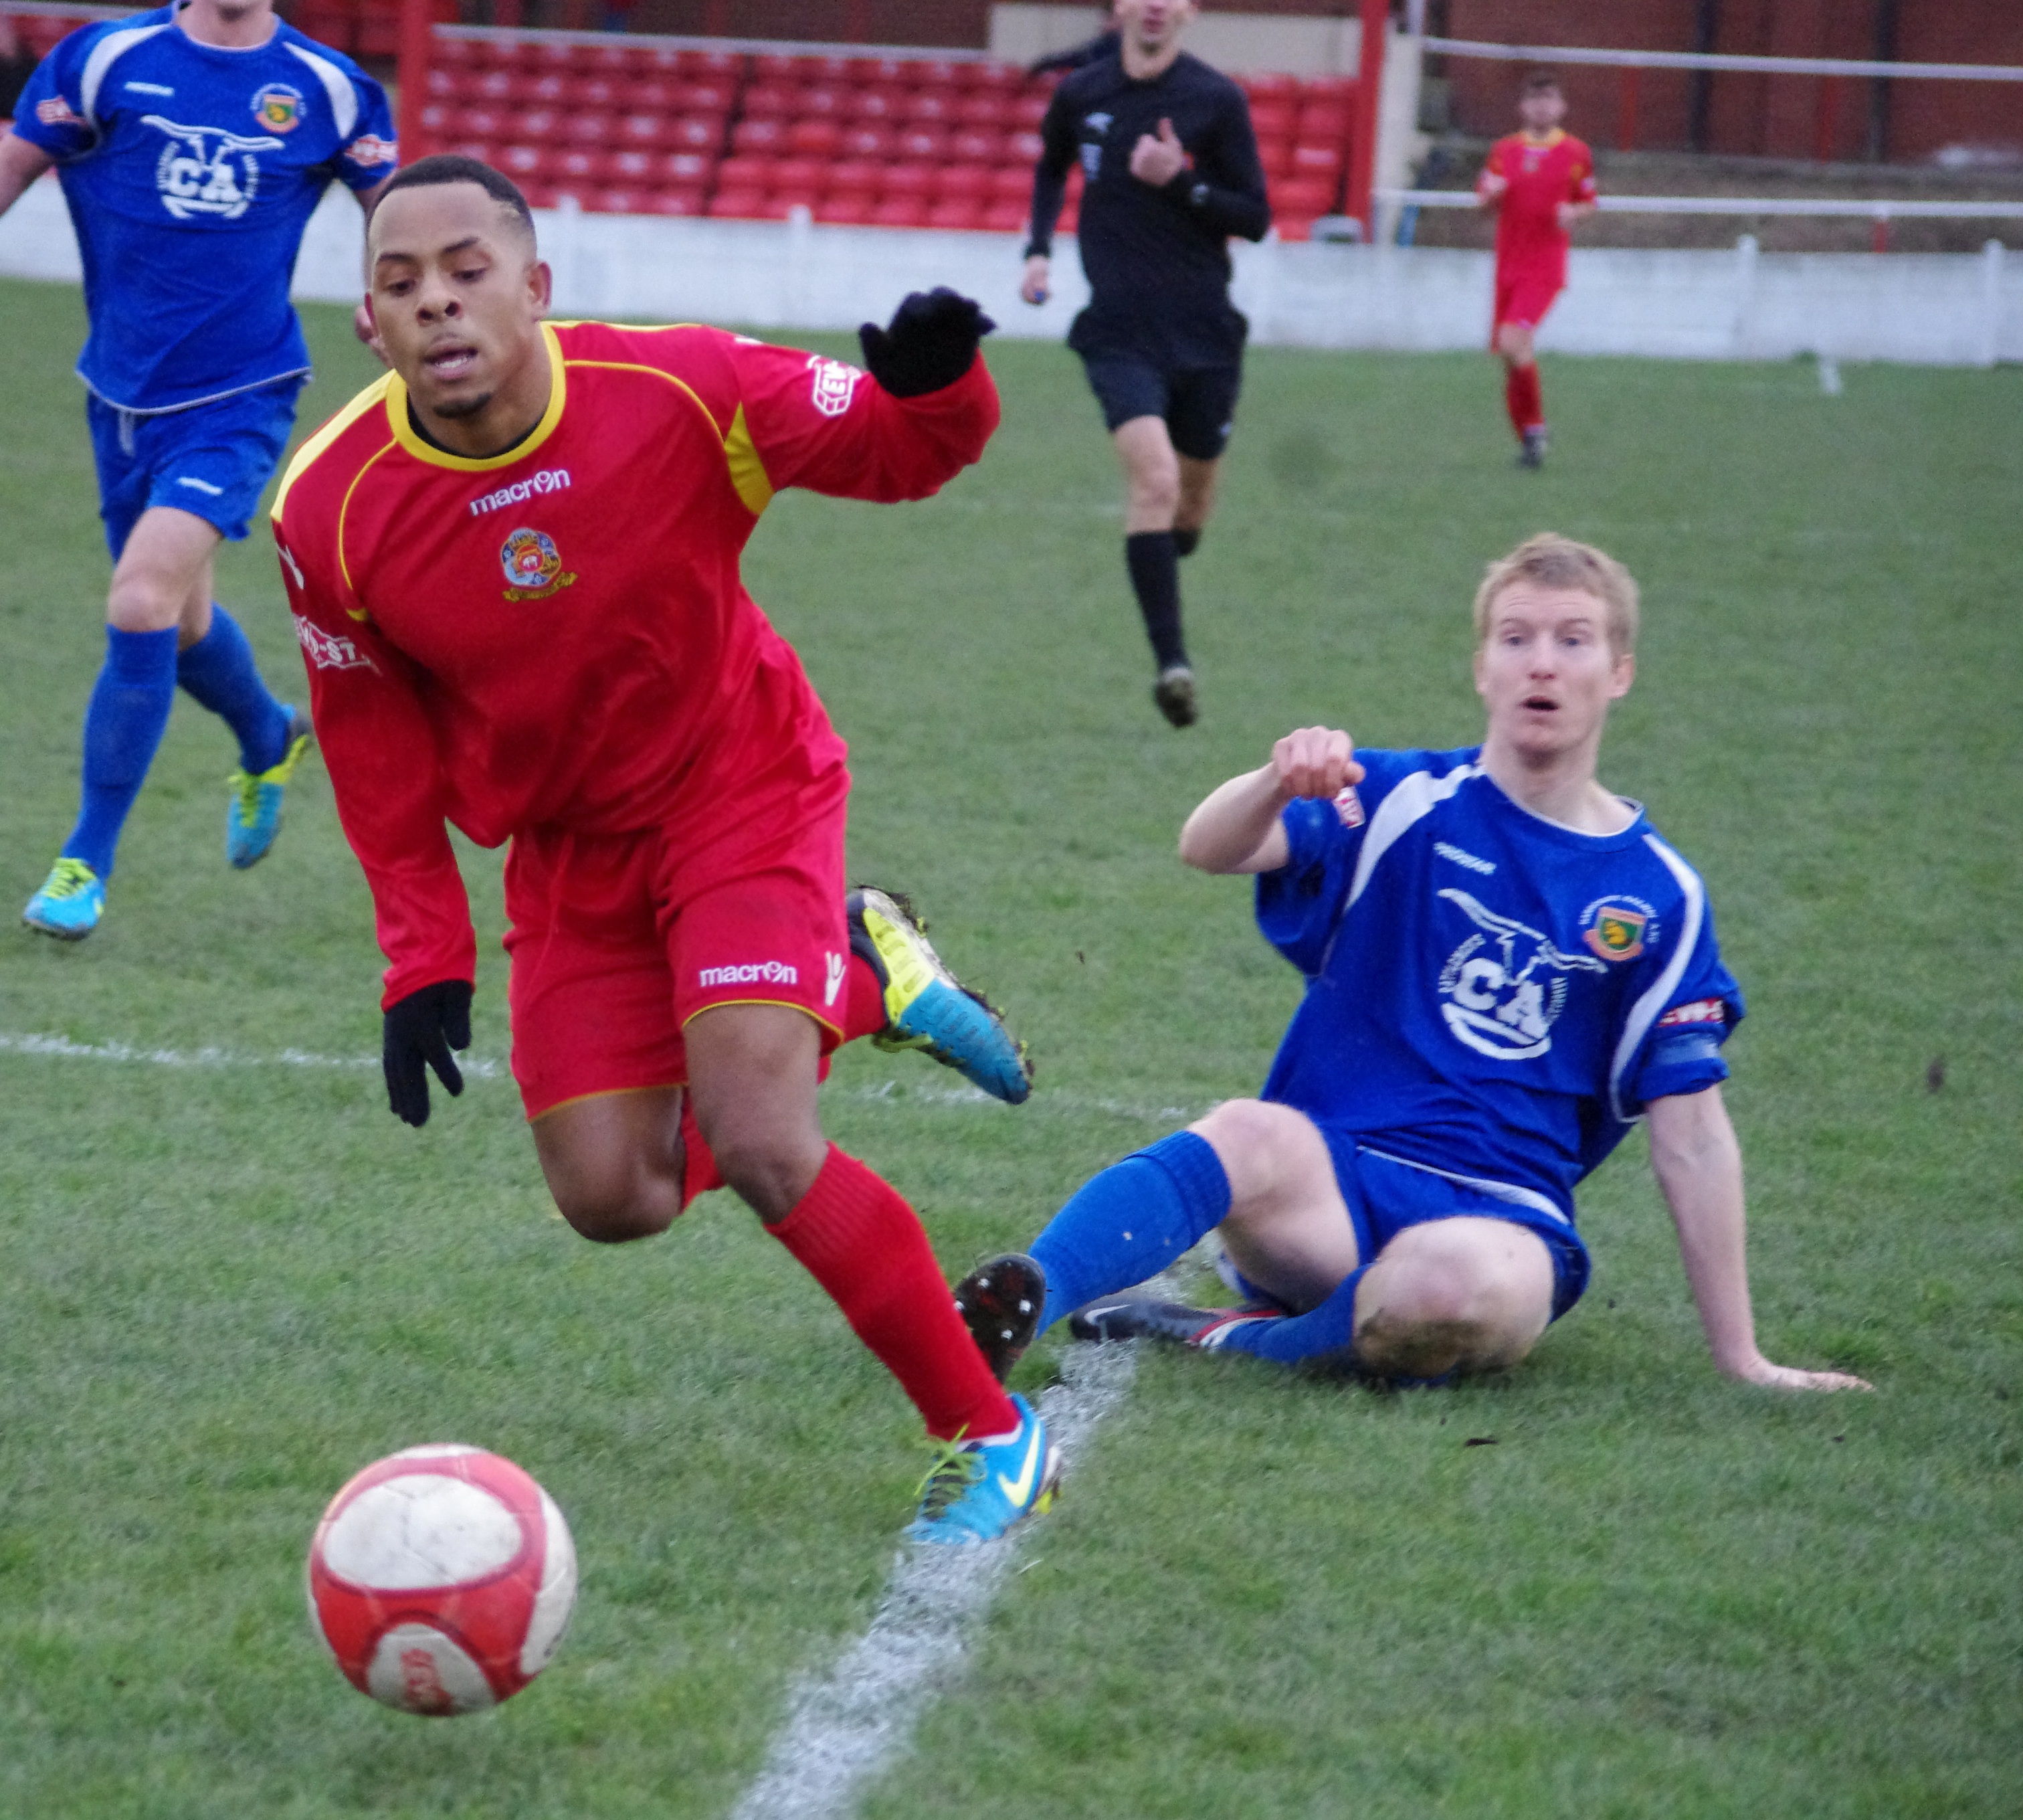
1198,403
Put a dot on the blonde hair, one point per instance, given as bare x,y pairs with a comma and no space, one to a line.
1548,560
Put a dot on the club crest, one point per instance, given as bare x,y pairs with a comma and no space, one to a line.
533,565
278,107
1614,928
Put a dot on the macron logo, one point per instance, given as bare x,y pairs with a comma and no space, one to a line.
1447,851
759,972
548,480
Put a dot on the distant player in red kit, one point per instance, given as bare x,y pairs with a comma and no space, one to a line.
1540,182
513,564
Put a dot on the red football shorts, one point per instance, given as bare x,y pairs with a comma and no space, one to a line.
1523,296
618,940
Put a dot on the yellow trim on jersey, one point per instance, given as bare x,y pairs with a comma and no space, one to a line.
326,436
748,471
404,431
343,567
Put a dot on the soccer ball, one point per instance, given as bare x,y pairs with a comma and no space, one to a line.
442,1578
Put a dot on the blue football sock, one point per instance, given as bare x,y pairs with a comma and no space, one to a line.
1327,1332
1131,1222
122,726
218,671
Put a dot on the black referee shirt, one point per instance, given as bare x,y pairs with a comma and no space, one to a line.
1157,259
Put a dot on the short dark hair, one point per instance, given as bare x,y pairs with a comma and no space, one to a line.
457,167
1535,83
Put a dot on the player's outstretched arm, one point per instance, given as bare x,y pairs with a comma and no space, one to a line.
21,162
1236,829
1699,1167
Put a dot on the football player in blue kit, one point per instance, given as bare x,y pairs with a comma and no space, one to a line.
192,142
1506,966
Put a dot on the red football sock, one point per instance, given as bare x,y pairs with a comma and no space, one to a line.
855,1235
863,1000
1526,402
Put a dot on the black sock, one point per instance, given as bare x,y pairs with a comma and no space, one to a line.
1155,577
1184,542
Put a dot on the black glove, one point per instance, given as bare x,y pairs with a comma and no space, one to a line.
423,1028
931,344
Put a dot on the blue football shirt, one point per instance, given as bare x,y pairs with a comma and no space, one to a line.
1489,994
190,172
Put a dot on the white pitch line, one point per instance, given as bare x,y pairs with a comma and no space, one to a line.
844,1727
484,1068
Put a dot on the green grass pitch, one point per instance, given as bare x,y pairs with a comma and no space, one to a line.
225,1286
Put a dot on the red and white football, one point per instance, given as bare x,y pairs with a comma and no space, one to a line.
442,1578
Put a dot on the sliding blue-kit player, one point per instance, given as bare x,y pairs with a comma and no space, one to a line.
193,143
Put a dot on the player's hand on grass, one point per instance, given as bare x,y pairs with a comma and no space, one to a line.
1158,160
1033,287
931,343
1760,1371
419,1032
1315,761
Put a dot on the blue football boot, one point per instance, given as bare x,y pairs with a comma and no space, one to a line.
976,1490
70,903
928,1008
252,816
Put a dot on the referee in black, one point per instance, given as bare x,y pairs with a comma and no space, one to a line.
1169,171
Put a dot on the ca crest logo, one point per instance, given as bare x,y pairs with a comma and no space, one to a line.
205,170
1505,1004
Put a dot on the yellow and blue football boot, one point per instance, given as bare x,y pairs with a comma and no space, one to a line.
976,1490
252,816
927,1007
70,903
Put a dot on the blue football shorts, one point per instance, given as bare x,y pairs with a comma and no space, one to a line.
1385,1195
1199,403
214,461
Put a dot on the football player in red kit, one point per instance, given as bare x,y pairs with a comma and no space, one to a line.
1540,182
513,564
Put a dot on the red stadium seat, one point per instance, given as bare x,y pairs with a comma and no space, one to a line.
776,100
765,135
737,204
989,109
799,179
521,163
815,138
962,212
869,104
911,180
901,212
745,171
866,141
969,182
1273,119
921,143
851,209
971,147
1002,216
694,133
1303,201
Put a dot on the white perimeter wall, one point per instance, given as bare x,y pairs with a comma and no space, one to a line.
1950,309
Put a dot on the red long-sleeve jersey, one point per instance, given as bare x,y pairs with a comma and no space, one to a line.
559,635
1541,173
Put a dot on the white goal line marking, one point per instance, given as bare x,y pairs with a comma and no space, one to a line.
484,1068
843,1728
